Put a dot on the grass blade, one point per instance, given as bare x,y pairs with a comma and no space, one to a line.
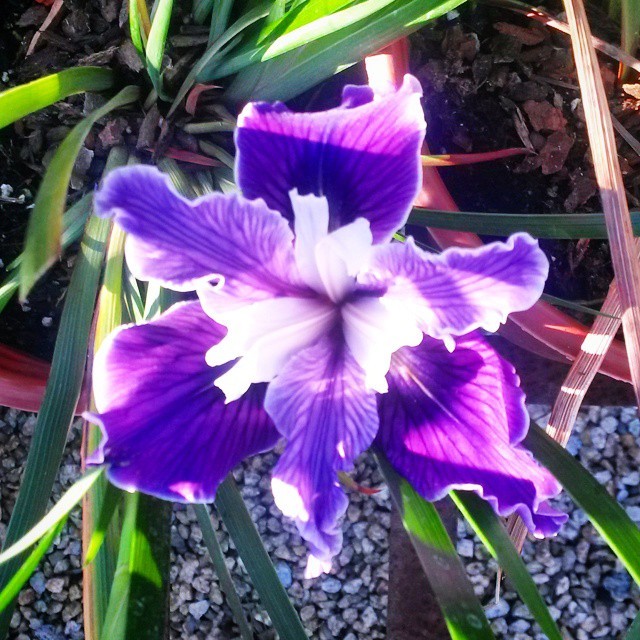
463,613
60,511
138,604
495,538
571,226
63,388
10,592
73,222
109,505
139,25
215,551
307,65
17,102
250,17
43,239
246,539
606,515
156,42
219,18
633,633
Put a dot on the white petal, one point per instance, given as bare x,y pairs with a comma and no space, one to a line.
374,331
311,225
265,335
341,255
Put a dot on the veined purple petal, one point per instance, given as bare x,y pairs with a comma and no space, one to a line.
168,431
460,290
243,246
454,420
363,156
320,404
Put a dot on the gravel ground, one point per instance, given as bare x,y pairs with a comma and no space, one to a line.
588,591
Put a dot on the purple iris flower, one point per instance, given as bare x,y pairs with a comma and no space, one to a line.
312,326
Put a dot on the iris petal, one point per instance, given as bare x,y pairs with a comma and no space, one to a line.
460,290
363,156
243,246
454,420
168,431
320,404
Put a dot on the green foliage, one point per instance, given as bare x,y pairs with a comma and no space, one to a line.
463,613
224,576
43,239
17,102
157,41
561,226
495,538
305,66
246,539
606,515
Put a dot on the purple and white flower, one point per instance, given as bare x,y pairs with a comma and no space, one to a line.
312,326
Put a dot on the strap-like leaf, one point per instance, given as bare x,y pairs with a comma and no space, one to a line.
16,583
606,515
17,102
305,66
43,240
156,42
495,538
246,539
569,226
63,388
226,582
463,613
60,511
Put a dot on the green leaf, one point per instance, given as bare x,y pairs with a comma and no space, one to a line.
16,583
250,17
109,505
246,539
463,613
59,512
136,27
569,226
226,582
495,538
138,603
156,42
304,67
560,302
219,18
63,388
17,102
322,27
73,222
633,633
606,515
43,239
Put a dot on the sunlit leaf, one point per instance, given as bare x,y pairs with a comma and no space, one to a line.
495,538
17,102
606,515
462,612
21,576
43,239
60,510
154,50
302,68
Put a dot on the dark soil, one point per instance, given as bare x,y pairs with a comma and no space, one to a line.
494,80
